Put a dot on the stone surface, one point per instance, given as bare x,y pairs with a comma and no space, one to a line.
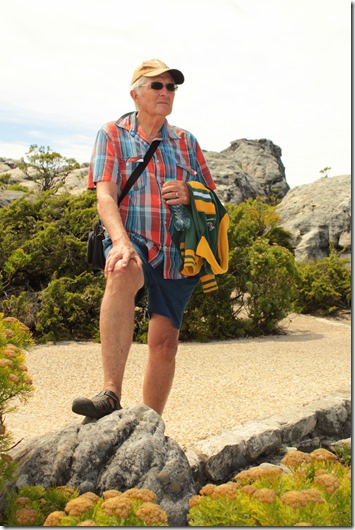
129,449
318,215
126,449
247,169
225,454
8,196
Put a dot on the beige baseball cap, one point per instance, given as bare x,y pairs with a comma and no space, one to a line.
155,67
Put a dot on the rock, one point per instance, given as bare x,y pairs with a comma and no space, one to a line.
261,159
8,163
233,185
318,215
16,175
248,169
76,181
4,167
8,196
126,449
305,428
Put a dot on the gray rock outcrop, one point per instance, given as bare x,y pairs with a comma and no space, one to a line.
248,169
315,425
318,215
124,450
128,449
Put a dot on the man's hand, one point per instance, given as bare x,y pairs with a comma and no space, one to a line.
175,192
120,255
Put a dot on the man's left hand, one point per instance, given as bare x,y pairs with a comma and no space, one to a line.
175,192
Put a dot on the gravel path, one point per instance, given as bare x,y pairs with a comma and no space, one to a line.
217,385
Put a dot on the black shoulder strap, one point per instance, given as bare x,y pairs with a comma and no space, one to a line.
132,179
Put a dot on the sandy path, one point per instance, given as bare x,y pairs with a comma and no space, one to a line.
217,385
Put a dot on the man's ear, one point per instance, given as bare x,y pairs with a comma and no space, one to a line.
134,95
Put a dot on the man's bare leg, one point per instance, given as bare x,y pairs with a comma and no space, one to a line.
116,327
117,323
160,369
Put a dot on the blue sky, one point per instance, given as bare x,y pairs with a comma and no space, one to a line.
275,69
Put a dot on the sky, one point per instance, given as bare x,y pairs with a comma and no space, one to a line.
274,69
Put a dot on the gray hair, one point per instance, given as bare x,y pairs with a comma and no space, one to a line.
136,86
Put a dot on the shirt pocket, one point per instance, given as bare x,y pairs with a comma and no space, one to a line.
128,166
185,172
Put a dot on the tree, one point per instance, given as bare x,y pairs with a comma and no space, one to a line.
325,172
49,168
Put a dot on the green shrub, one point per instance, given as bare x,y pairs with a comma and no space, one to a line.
43,254
45,279
343,452
70,308
316,492
44,237
24,307
18,187
262,265
63,506
15,384
324,286
211,316
271,286
5,180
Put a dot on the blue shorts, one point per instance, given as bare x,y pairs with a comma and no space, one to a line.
168,298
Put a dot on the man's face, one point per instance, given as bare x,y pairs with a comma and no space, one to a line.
155,102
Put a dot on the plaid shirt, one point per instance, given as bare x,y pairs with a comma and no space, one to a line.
117,151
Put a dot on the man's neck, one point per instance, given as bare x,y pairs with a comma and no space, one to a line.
149,126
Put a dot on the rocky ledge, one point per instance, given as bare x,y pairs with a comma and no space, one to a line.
128,449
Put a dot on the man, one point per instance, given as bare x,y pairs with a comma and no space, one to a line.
139,249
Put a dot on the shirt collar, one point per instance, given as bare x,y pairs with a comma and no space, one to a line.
129,122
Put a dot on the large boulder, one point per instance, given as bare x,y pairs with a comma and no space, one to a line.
8,196
248,169
127,449
318,215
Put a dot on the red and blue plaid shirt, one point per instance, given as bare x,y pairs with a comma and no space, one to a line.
117,151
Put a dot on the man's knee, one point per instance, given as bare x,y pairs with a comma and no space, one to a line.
129,279
163,337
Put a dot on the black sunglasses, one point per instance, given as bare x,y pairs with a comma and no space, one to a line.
157,85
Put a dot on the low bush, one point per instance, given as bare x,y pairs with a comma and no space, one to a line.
46,282
315,492
271,286
324,286
15,384
63,506
70,308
